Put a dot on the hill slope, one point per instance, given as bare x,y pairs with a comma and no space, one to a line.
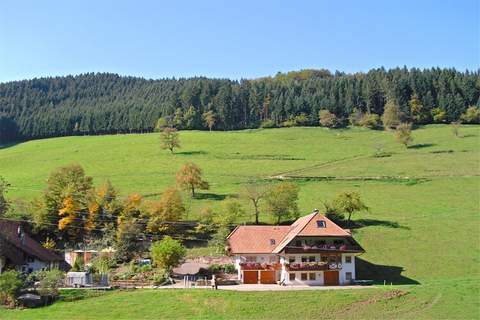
421,231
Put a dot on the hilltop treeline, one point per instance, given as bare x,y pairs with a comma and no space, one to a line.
105,103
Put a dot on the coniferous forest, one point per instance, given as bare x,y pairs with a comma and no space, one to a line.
104,103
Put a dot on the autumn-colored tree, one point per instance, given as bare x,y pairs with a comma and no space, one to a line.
403,134
165,212
255,193
417,110
189,177
282,201
170,139
327,119
392,115
471,115
438,115
231,211
210,119
348,202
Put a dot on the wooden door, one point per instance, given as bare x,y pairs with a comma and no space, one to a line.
267,277
250,277
331,278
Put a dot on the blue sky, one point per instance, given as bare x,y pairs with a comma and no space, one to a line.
234,39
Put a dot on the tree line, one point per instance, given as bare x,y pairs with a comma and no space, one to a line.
103,103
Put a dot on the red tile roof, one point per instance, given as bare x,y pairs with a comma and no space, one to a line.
9,232
256,239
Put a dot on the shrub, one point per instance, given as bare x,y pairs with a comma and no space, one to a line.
10,285
471,115
268,124
78,264
49,282
438,115
327,119
392,115
289,123
355,117
404,134
167,253
302,120
370,120
229,268
160,277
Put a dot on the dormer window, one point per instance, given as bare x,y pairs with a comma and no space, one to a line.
321,224
272,242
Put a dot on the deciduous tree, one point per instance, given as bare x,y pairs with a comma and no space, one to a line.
170,139
167,253
209,118
349,203
392,115
327,119
403,134
282,201
165,212
189,177
255,193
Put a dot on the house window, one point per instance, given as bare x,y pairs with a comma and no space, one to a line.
291,259
298,243
312,276
348,276
324,259
272,242
311,259
348,259
304,259
304,276
321,224
291,276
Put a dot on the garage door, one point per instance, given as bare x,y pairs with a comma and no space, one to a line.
267,276
331,278
250,277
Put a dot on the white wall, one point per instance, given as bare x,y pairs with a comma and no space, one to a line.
347,267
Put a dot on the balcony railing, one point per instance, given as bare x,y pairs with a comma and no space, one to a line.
312,266
323,248
260,266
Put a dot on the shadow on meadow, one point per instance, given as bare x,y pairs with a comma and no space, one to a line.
421,145
366,270
213,196
191,153
361,223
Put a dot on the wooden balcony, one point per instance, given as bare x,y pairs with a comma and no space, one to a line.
312,266
323,248
260,266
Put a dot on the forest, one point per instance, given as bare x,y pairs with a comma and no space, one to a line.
105,103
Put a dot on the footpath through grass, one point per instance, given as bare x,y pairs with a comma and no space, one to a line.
421,233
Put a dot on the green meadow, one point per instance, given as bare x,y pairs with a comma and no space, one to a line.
421,233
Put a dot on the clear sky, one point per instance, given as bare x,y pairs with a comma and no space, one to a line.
233,38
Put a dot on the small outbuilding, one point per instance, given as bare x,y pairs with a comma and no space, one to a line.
79,279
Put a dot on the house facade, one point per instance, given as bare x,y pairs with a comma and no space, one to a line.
312,251
21,252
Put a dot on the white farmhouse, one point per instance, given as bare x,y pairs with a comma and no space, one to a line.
312,251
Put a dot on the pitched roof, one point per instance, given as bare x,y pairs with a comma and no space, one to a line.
256,239
9,232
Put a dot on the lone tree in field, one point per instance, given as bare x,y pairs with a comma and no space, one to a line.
327,119
170,139
209,118
403,134
456,128
349,202
255,193
167,253
190,178
391,115
282,201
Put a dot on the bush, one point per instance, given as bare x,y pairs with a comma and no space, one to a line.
370,120
438,115
268,124
327,119
10,285
302,120
160,277
471,115
50,281
167,253
289,123
229,268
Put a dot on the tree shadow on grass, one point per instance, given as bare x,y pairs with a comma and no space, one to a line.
470,135
191,153
360,223
421,145
213,196
366,270
8,145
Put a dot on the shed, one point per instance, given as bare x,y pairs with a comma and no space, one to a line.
79,279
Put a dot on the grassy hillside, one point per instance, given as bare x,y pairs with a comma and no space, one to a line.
421,231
